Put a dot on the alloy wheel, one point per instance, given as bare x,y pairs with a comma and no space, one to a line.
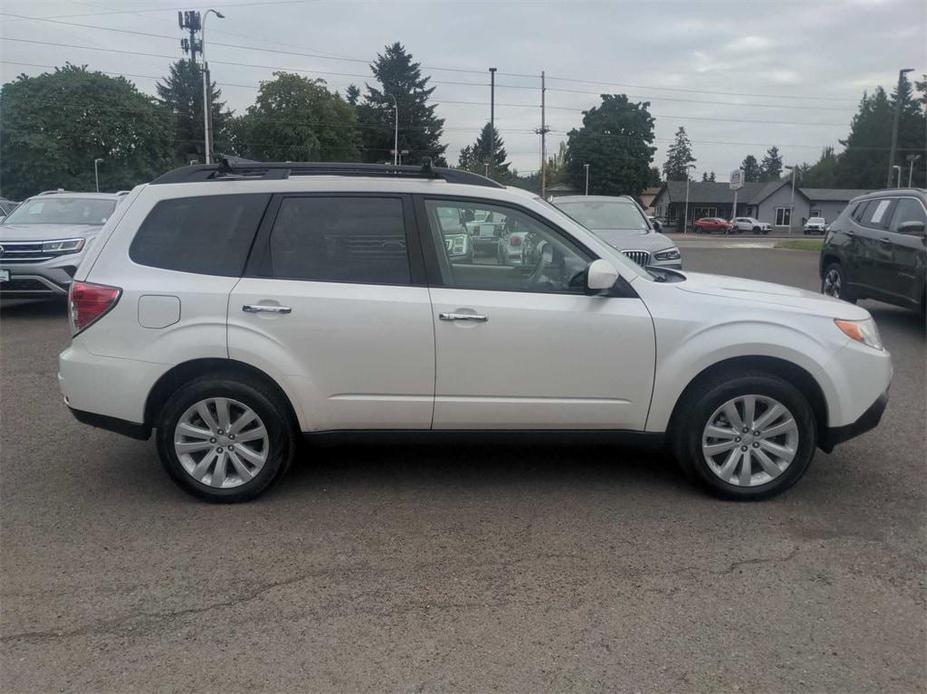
750,440
832,283
221,442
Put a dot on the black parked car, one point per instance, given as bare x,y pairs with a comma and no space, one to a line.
877,249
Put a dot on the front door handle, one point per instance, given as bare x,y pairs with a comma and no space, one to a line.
885,239
463,316
261,308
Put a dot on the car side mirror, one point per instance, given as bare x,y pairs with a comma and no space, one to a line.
911,227
657,226
600,275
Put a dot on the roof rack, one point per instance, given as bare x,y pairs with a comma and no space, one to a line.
234,168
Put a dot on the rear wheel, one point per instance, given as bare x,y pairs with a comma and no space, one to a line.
757,230
834,283
224,439
747,437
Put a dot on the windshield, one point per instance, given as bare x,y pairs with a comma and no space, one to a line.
61,210
816,220
606,214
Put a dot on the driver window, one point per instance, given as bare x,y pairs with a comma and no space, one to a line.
489,247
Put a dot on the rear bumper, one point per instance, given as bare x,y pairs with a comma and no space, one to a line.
867,421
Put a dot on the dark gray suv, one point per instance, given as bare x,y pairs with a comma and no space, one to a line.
877,249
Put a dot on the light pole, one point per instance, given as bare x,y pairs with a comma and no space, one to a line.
911,159
891,155
897,170
685,223
792,198
96,172
395,130
586,166
207,116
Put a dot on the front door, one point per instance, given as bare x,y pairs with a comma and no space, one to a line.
334,302
519,345
904,275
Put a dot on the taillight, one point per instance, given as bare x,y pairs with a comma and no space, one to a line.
89,302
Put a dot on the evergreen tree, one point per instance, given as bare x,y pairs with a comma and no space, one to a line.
181,95
704,177
864,163
771,167
823,173
653,180
616,141
475,157
678,157
352,94
751,169
420,129
711,177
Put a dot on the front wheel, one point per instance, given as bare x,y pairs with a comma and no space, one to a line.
746,438
834,283
224,439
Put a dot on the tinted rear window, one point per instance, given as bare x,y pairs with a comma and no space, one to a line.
208,235
340,239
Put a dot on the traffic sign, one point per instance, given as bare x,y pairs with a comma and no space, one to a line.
737,179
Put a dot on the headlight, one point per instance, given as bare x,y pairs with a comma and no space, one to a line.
864,331
668,254
66,246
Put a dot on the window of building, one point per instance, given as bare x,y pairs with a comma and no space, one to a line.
783,217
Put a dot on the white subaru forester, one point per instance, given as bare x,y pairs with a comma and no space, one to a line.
233,307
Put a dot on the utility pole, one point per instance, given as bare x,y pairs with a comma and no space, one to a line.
395,131
586,166
96,172
891,156
685,220
792,198
542,131
207,111
492,122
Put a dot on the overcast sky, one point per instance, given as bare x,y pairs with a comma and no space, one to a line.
729,71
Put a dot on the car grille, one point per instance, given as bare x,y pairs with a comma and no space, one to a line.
640,257
23,252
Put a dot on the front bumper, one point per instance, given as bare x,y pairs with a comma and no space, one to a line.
867,421
49,278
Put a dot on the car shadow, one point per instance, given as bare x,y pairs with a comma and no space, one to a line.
895,317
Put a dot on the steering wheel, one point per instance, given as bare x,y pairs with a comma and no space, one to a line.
545,257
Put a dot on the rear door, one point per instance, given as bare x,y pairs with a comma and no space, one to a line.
334,301
521,346
876,257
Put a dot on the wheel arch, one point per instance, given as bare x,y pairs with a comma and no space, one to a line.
788,371
186,371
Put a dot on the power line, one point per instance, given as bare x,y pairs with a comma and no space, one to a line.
321,56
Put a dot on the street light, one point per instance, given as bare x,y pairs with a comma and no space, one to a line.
207,116
792,198
897,170
395,130
891,155
911,159
96,172
586,166
685,223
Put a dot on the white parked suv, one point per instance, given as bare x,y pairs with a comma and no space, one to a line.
233,307
750,224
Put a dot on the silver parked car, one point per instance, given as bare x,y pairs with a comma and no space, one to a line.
44,239
620,222
742,224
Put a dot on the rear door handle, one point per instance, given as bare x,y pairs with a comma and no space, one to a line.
885,239
463,316
261,308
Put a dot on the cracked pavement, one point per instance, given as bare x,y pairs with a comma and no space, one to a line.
468,567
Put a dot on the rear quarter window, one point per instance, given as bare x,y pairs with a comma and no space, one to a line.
207,235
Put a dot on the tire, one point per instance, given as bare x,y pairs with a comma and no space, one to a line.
702,407
757,230
834,283
276,446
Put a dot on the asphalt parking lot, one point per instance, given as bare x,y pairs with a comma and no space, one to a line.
465,568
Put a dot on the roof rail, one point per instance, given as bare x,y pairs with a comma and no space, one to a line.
234,168
52,192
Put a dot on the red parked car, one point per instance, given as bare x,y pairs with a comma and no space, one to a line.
710,225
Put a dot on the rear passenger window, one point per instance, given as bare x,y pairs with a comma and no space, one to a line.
208,235
877,215
340,239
